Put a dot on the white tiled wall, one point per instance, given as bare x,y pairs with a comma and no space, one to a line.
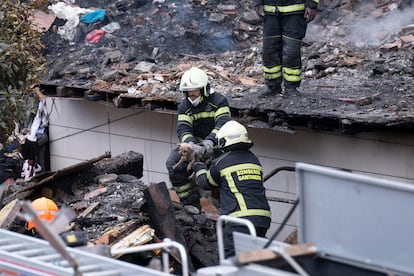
79,131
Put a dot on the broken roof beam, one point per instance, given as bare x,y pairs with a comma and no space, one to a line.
67,171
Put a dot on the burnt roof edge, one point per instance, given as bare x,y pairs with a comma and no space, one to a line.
280,119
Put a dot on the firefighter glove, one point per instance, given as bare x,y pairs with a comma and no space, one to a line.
208,146
198,150
310,14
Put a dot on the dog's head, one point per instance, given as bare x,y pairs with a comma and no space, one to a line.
186,150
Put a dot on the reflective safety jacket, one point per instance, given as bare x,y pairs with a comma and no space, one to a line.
287,6
201,122
238,175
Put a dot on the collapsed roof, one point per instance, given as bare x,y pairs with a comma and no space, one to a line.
357,57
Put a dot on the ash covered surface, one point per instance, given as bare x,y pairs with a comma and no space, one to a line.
111,204
357,59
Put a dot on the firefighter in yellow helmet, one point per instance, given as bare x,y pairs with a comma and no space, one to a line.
238,175
200,116
46,210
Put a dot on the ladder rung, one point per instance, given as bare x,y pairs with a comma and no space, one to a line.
89,268
104,273
49,257
12,247
4,241
30,252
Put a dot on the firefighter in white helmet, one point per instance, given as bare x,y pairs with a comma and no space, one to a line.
238,175
200,116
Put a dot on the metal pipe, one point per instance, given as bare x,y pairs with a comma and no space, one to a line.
275,171
219,229
273,237
166,244
290,260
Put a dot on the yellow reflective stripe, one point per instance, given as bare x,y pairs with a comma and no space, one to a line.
182,188
235,168
273,76
292,78
292,75
211,180
251,212
316,1
233,188
185,194
203,115
221,111
185,137
215,131
272,70
284,9
291,71
185,118
230,181
200,172
291,8
268,8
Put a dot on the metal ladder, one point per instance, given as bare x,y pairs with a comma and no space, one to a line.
24,255
32,256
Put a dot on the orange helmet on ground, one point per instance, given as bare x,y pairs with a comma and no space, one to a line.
46,210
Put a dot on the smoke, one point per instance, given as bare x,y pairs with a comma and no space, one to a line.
360,29
374,31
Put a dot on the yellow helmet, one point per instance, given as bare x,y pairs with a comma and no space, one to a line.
232,133
46,210
193,79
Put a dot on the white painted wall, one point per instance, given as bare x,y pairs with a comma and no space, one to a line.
82,130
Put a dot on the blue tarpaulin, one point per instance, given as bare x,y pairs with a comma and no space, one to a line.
92,17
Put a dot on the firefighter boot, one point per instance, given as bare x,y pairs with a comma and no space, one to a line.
291,90
268,91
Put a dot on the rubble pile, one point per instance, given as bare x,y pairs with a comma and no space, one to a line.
358,74
114,207
357,60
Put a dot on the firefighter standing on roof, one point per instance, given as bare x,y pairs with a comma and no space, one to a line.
238,175
200,116
284,27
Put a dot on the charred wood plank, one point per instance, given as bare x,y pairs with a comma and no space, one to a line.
140,236
86,212
261,255
162,217
67,171
126,101
131,163
8,213
90,221
89,210
117,232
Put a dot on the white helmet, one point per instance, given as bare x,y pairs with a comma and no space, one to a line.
193,79
232,133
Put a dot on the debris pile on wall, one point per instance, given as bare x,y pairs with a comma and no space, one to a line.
114,207
357,60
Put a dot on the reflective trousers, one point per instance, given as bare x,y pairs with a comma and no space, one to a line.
282,39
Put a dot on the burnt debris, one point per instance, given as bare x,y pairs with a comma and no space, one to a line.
348,58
